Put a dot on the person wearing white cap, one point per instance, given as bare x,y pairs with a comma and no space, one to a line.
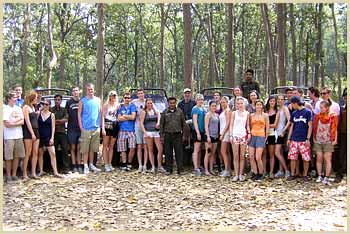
109,128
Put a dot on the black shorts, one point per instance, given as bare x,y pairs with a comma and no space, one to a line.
280,140
214,140
44,143
73,136
271,140
203,137
112,132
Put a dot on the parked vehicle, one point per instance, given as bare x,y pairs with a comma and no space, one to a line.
282,90
159,97
208,93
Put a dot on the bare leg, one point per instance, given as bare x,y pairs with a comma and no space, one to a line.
258,156
8,167
41,160
328,159
159,146
236,158
252,159
212,158
278,153
131,155
271,149
35,157
242,158
111,150
263,158
15,166
208,152
28,143
196,156
105,149
52,153
319,162
225,156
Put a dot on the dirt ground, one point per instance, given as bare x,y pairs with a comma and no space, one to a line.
128,201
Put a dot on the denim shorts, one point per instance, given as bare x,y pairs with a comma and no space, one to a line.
257,142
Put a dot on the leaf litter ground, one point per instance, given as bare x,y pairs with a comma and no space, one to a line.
130,202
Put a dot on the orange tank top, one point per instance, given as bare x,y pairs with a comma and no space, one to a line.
258,126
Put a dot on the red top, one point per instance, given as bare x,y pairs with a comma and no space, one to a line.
326,118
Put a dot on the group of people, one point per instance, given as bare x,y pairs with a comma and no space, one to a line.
229,129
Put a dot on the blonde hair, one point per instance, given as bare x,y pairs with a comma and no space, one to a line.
30,97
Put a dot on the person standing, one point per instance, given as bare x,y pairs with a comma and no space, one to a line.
249,84
186,106
217,98
140,140
239,136
314,95
271,110
150,122
299,137
225,120
340,162
259,125
61,118
109,129
89,119
73,130
172,122
252,98
20,100
237,92
46,122
198,115
326,96
30,133
126,119
325,137
13,136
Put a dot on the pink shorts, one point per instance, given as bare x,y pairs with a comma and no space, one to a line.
240,140
299,147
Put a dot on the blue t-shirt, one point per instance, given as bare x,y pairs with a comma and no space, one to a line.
91,116
129,125
19,102
300,119
201,115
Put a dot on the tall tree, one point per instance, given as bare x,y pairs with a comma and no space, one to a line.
187,20
294,44
280,41
25,44
100,50
318,59
272,69
336,50
228,46
161,49
53,60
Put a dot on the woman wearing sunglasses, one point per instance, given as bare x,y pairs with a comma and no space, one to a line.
46,122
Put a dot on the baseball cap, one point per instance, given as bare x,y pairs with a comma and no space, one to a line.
187,90
295,99
38,88
112,93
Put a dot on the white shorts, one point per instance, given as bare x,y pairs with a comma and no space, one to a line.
152,134
226,137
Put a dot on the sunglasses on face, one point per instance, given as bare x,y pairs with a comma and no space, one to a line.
324,93
46,104
127,97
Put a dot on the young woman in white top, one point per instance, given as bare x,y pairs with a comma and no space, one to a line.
109,129
283,123
239,136
225,118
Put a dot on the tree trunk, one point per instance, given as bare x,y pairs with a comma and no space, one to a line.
161,50
241,67
211,76
336,50
187,44
301,33
264,10
294,46
25,44
100,50
306,80
318,25
281,46
53,60
228,82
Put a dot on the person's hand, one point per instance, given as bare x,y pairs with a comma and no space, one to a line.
249,137
307,143
199,137
157,126
334,142
221,137
231,139
33,137
103,132
288,142
209,139
282,134
51,141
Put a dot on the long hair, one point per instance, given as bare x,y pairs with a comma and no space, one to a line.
267,107
145,107
30,97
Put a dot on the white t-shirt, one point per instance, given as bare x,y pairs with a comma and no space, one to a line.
12,113
334,107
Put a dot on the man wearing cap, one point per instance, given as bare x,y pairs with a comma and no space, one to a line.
249,84
186,106
299,137
60,138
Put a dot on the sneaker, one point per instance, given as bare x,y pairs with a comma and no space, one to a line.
259,178
290,178
271,176
75,169
326,181
15,178
225,173
144,170
168,172
287,174
93,168
9,179
241,178
140,169
319,179
153,170
128,167
197,172
161,170
306,179
313,173
107,169
254,176
80,170
86,170
235,178
123,168
279,174
110,167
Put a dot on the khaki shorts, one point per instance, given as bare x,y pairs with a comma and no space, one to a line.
89,141
325,148
14,147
